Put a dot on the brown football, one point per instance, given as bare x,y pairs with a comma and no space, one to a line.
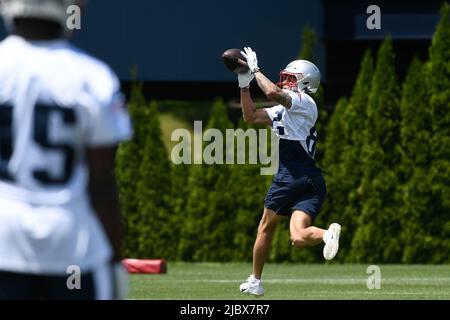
233,60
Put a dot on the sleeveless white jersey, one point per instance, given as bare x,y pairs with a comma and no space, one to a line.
298,122
55,101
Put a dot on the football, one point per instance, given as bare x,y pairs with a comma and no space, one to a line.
233,60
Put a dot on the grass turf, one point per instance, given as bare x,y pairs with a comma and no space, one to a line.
220,281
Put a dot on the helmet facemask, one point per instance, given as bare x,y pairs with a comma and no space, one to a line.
286,80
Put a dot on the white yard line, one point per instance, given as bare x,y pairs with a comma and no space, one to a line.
396,280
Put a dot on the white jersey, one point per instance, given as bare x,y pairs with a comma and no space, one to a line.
55,101
298,122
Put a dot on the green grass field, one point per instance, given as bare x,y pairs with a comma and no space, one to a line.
220,281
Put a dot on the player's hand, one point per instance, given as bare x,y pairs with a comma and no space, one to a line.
245,79
251,58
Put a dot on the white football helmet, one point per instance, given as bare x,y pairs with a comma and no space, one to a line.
53,10
306,73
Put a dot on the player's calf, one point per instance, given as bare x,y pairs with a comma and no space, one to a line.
306,237
298,241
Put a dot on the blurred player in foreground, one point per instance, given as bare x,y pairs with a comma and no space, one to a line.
298,188
61,117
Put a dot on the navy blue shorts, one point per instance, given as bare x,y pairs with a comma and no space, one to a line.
306,193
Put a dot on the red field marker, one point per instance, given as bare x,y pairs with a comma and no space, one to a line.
145,266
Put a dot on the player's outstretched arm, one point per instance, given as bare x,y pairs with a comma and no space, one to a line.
104,195
273,92
250,113
269,88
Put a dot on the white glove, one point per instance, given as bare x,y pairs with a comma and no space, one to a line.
251,58
245,79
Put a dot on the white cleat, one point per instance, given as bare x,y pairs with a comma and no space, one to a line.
252,286
331,239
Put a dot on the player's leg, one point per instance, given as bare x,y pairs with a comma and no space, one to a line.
305,235
302,233
266,229
261,248
304,212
